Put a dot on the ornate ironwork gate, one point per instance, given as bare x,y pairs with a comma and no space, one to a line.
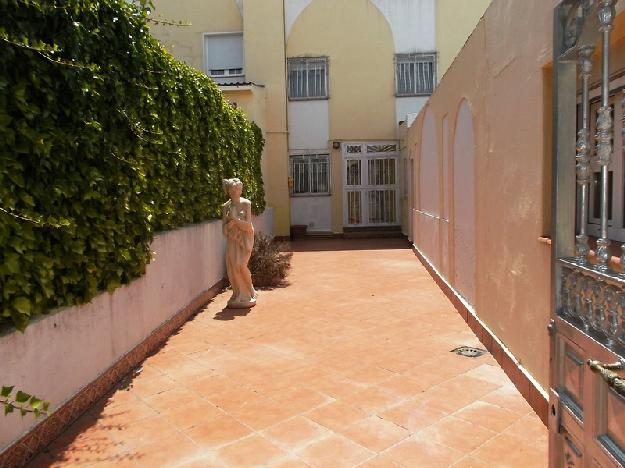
587,395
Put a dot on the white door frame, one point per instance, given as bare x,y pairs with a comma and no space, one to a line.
364,187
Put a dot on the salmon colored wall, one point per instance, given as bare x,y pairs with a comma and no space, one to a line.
502,79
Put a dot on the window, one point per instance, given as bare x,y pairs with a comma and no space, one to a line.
223,55
310,174
415,74
308,78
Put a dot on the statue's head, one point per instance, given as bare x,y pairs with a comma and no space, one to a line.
233,186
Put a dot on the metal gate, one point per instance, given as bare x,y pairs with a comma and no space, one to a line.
371,184
587,390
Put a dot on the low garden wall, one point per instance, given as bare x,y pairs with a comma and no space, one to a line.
60,353
111,150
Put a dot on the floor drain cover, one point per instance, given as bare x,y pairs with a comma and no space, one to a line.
468,351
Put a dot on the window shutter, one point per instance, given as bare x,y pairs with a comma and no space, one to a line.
224,54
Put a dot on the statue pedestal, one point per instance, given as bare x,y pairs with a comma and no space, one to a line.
241,305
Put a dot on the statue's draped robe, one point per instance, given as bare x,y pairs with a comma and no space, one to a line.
240,242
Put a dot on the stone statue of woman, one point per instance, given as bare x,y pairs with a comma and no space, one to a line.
239,231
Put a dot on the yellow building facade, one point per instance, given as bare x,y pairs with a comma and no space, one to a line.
328,81
454,25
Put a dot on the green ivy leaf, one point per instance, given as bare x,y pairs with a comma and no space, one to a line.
35,403
6,391
29,200
22,305
12,262
22,397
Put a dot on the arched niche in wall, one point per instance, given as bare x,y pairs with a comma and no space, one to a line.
445,180
429,177
428,227
464,203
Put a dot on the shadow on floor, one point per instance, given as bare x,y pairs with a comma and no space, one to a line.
335,245
231,314
281,285
73,449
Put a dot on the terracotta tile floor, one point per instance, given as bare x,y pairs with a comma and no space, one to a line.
349,365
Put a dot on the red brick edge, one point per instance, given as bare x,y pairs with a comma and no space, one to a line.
525,386
22,450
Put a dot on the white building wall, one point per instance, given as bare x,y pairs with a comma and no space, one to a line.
313,212
407,108
309,131
413,23
309,125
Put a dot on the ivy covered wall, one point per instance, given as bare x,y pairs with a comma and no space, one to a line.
105,139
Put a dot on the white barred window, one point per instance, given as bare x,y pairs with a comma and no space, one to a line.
310,174
415,74
308,78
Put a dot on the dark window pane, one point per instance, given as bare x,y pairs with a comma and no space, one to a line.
597,194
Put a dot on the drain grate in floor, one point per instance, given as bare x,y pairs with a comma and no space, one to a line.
468,351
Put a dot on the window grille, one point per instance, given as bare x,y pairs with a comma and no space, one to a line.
310,174
308,78
415,74
381,148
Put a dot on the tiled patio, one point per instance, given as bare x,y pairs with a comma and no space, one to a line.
348,365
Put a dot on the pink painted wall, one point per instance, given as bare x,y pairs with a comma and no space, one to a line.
428,188
445,261
429,177
502,73
464,204
62,352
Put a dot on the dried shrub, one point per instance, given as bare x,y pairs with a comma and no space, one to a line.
270,261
